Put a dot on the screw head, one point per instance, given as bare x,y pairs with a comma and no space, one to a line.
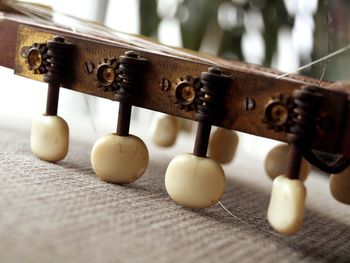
215,70
164,84
249,104
89,67
105,75
131,54
35,59
276,113
58,38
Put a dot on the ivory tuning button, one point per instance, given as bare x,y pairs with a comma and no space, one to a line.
50,133
276,163
340,186
120,157
164,130
49,138
194,180
223,145
286,209
287,203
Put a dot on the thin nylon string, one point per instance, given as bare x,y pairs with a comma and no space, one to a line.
325,58
246,223
328,48
90,114
335,53
87,103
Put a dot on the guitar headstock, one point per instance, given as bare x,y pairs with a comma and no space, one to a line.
308,114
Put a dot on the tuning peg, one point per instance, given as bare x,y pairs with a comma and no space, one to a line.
340,186
49,138
276,163
50,133
164,130
196,181
121,157
286,208
287,201
222,145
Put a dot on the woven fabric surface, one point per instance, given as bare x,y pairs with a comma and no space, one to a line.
64,213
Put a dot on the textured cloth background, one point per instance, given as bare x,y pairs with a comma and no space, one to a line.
64,213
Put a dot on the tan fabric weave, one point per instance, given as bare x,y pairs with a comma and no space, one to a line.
63,213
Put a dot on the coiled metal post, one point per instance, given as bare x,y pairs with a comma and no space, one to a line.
303,128
130,67
58,70
210,97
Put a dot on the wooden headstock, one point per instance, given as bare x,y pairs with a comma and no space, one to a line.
250,93
309,114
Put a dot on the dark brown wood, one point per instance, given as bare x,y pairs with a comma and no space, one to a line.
124,115
202,139
169,66
295,156
53,92
8,39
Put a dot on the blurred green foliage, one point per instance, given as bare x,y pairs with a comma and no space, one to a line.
202,19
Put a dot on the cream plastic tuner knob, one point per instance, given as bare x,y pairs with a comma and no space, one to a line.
194,182
287,202
340,186
49,138
164,130
222,145
119,159
276,163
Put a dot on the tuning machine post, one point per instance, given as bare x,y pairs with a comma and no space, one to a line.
286,208
50,133
194,180
121,157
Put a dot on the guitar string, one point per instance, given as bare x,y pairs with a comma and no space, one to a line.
324,58
328,48
90,114
87,104
246,223
327,57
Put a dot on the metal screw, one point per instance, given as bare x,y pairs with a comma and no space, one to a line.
215,70
89,67
131,54
249,104
58,38
165,84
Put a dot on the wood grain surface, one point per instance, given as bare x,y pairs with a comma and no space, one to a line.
170,66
